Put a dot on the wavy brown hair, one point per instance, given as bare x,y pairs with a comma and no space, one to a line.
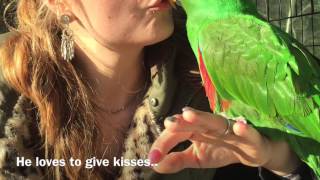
32,65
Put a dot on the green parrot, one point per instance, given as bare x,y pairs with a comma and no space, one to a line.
253,69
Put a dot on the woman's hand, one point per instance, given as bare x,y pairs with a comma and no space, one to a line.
216,144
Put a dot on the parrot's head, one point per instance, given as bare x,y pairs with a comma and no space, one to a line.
212,8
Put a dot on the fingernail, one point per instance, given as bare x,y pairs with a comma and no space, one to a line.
187,108
154,156
171,119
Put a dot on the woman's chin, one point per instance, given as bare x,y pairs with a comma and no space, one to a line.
160,33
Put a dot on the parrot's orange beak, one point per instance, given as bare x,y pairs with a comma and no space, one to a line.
173,3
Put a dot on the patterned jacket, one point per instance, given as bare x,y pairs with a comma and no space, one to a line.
175,83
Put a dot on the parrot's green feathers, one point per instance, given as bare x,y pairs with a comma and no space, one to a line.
248,63
260,72
265,75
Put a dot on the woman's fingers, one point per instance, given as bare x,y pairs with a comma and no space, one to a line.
244,144
204,126
206,120
178,124
176,161
179,128
197,122
165,142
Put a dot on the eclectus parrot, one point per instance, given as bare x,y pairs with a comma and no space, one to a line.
253,69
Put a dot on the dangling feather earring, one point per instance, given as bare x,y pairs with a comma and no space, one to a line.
67,43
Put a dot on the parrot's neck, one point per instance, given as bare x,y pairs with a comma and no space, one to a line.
213,9
201,12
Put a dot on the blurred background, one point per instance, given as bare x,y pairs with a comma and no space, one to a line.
300,18
3,4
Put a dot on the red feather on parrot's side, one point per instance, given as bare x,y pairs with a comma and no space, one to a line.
207,83
225,105
209,86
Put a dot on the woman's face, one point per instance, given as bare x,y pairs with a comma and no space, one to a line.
123,22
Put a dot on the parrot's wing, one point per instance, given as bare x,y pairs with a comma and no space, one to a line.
254,64
251,62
